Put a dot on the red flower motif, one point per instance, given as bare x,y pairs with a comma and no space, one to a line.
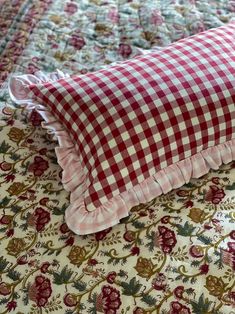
28,195
135,251
39,166
165,219
10,122
207,226
102,234
231,247
228,256
5,166
23,197
108,301
43,201
214,195
77,41
64,228
111,277
178,292
7,110
113,15
35,118
32,252
22,260
129,236
196,251
70,8
232,295
32,263
204,269
159,282
10,232
188,204
182,193
69,241
40,291
215,180
125,50
39,219
156,18
232,234
10,178
70,299
43,151
44,267
165,238
178,308
92,262
11,305
6,219
5,288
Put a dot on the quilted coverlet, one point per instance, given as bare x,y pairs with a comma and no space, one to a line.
175,254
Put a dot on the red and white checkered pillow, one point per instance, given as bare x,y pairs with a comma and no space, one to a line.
131,131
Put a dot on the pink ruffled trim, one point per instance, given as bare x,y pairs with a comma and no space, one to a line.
78,218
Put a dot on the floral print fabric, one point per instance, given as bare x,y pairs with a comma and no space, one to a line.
175,254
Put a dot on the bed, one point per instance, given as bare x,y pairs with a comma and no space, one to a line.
174,254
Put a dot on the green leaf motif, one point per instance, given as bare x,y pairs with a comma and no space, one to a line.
186,229
150,246
54,160
4,202
26,299
193,280
4,147
91,310
189,185
148,299
138,224
131,288
231,187
3,263
202,305
204,239
80,285
219,262
14,275
62,277
59,211
15,157
3,230
195,263
3,301
16,209
122,273
92,300
3,97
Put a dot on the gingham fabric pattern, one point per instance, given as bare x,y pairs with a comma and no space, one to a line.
133,119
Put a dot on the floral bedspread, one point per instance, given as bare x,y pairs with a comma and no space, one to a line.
173,255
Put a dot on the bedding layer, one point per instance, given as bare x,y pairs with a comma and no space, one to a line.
175,254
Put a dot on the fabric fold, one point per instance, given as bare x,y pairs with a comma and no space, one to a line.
78,218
